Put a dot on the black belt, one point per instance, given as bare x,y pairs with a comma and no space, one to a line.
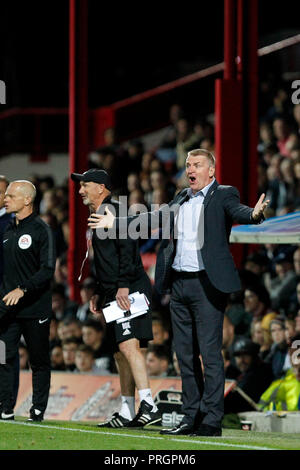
186,274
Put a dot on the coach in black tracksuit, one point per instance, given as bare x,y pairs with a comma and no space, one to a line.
25,305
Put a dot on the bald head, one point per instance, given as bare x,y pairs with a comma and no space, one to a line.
19,198
26,188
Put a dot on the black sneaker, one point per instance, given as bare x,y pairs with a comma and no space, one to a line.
36,415
145,416
7,415
116,421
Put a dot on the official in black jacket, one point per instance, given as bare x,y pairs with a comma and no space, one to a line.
195,263
120,272
25,305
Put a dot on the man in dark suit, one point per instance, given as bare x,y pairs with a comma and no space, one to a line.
194,261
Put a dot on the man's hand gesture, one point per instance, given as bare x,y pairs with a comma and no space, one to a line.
260,207
101,221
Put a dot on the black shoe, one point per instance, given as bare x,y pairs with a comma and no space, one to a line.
207,430
180,430
116,421
145,416
36,415
7,415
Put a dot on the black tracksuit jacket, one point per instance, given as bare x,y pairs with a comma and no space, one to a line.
117,261
29,261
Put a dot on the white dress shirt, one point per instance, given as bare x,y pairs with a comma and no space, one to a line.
188,250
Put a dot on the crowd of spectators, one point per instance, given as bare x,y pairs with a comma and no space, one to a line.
261,321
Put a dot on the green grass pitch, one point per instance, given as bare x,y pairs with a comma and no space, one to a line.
58,435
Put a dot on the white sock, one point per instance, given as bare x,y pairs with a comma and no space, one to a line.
146,395
128,407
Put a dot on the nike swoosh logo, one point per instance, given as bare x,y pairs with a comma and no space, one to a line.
6,416
5,240
43,321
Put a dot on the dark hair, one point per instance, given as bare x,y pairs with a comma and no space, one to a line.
71,340
159,350
85,348
91,323
59,289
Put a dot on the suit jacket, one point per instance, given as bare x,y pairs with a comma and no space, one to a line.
221,207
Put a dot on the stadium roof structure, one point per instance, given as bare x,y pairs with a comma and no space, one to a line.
281,229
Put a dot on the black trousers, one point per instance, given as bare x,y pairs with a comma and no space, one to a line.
36,335
197,313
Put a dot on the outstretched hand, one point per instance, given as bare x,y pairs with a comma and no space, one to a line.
260,207
101,221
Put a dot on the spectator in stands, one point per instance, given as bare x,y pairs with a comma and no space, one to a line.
62,330
135,151
161,333
237,314
69,347
282,133
231,371
262,178
87,290
296,115
133,182
280,104
49,201
257,263
158,181
61,271
61,306
256,300
23,356
159,197
266,137
261,336
278,356
57,358
136,201
85,361
158,361
283,285
284,393
169,138
294,301
93,335
186,141
294,305
229,337
290,329
255,376
73,328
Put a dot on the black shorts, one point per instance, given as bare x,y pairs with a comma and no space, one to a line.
139,327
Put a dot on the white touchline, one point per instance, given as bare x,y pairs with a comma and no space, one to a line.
194,441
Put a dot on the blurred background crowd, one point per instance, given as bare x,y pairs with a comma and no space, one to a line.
262,321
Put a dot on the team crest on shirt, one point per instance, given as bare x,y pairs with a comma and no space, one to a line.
25,241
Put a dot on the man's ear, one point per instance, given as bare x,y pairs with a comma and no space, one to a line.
28,200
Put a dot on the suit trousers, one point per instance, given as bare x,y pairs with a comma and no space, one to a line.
197,314
36,335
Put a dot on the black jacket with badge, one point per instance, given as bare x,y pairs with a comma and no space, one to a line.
29,262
